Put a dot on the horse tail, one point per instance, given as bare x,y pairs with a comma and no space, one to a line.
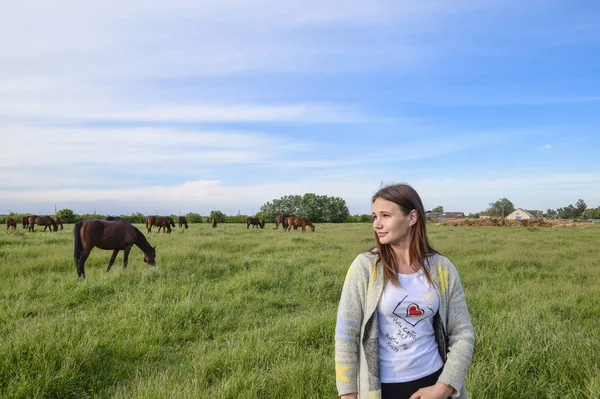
78,245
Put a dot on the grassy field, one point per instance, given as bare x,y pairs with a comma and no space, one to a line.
236,313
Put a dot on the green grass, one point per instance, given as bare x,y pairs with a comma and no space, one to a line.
237,313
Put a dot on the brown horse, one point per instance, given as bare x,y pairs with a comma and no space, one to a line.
213,221
117,235
150,222
182,221
58,221
25,222
45,221
279,220
300,222
162,223
255,222
10,222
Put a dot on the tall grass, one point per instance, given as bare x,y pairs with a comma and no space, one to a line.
237,313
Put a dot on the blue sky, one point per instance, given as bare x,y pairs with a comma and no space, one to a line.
189,106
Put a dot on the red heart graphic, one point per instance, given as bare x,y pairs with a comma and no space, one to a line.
413,310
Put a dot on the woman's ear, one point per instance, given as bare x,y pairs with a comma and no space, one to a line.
413,217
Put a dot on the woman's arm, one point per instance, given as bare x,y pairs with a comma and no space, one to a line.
460,333
348,324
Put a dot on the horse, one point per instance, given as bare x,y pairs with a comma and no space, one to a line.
109,218
45,221
284,221
116,234
300,222
10,222
279,220
149,223
182,221
25,222
58,221
213,221
170,219
162,223
255,222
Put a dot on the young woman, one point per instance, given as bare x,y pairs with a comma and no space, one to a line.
403,328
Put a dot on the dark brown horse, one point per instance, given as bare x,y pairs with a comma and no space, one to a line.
170,219
159,221
25,222
10,222
300,222
255,222
213,221
182,221
117,235
45,221
58,221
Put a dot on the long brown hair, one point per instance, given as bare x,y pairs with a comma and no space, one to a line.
408,199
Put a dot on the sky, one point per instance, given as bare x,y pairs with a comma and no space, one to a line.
180,106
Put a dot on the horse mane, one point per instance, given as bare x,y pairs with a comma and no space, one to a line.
141,240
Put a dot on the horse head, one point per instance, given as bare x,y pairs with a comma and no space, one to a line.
150,256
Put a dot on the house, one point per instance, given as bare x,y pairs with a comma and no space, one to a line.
439,216
522,214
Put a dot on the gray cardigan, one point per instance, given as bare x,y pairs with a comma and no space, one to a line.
357,329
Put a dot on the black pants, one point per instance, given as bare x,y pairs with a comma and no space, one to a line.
403,390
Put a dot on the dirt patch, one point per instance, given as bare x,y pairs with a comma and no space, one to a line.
519,223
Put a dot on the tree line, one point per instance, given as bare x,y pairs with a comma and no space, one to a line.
318,208
504,207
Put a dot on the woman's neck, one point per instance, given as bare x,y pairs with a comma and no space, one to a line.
403,264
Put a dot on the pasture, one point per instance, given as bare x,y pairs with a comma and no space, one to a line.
235,313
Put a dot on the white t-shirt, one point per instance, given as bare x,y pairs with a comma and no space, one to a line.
407,347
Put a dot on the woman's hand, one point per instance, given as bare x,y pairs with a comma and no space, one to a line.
349,396
437,391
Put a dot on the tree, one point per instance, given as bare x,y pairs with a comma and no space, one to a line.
318,208
438,208
580,207
192,217
220,216
67,216
551,214
500,208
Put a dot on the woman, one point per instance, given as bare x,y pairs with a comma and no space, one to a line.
403,328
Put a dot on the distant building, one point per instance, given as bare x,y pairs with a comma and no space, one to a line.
435,216
522,214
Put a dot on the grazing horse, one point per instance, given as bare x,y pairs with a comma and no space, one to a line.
10,222
109,218
45,221
58,221
255,222
300,222
213,221
25,222
170,219
162,223
116,234
182,221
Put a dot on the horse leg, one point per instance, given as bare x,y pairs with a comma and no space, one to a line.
126,255
81,263
112,259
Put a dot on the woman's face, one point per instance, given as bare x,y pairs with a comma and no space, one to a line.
390,223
